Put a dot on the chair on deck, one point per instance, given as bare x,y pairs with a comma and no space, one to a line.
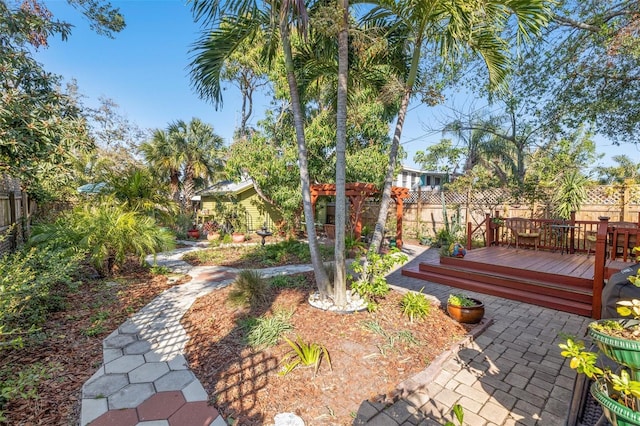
623,238
523,229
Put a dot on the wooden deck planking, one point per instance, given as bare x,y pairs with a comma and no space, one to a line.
577,265
539,261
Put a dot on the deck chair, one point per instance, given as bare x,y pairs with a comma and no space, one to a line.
523,229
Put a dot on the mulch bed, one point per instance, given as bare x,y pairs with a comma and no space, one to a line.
244,384
70,344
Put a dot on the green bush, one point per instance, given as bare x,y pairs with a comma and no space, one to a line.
372,282
106,233
32,284
249,288
23,383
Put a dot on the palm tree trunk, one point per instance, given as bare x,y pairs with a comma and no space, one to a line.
175,186
376,239
340,285
322,280
187,189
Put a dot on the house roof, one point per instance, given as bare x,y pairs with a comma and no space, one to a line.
226,187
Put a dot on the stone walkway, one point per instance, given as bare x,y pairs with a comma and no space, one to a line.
512,374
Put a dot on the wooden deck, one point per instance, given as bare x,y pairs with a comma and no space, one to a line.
545,278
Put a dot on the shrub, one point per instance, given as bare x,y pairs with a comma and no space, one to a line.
250,288
23,383
372,282
106,233
415,305
32,284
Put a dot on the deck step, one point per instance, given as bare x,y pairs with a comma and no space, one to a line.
568,290
550,295
514,272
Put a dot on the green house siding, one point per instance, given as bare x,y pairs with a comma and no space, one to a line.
256,212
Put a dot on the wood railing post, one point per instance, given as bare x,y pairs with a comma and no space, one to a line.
572,235
469,231
599,265
489,230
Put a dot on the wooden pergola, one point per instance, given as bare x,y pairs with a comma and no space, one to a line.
357,194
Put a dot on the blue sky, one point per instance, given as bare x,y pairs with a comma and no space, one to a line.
144,70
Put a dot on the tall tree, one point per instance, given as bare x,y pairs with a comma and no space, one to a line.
452,28
232,23
40,126
591,62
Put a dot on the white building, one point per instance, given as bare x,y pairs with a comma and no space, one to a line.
413,178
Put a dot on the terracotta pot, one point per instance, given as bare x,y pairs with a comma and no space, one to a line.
193,233
237,238
213,236
467,314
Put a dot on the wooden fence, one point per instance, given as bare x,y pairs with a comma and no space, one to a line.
424,213
14,214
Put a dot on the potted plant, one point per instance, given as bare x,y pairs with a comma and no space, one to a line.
465,309
239,234
617,391
194,232
212,230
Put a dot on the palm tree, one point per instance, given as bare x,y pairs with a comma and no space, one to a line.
197,148
453,27
232,24
164,160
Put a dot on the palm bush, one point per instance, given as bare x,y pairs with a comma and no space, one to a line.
249,288
106,233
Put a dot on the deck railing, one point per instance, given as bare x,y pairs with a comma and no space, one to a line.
570,236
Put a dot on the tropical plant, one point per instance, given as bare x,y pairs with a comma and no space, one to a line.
371,282
455,27
306,354
104,231
571,193
249,287
627,390
415,305
138,191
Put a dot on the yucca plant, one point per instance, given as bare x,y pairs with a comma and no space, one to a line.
306,354
249,288
415,305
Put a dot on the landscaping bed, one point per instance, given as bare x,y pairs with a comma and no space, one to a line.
370,354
